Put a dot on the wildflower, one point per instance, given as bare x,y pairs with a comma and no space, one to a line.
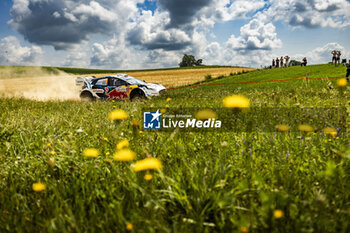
80,130
305,128
107,153
168,99
330,131
342,82
148,177
163,111
118,115
91,153
124,155
135,124
166,106
52,152
147,164
38,187
206,114
244,229
282,128
106,139
122,144
129,226
51,162
278,214
48,144
108,161
236,101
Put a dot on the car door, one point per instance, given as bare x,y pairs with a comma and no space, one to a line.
99,87
117,89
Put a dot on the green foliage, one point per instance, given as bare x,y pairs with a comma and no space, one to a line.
189,61
210,182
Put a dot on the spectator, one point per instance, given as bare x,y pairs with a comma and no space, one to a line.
287,61
277,62
273,63
304,63
338,57
281,61
334,58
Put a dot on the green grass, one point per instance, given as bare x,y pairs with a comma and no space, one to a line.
210,182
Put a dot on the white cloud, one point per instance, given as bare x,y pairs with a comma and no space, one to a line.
13,53
255,36
309,13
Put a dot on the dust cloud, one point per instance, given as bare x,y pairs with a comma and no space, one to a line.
38,84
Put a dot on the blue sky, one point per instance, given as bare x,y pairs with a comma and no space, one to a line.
138,34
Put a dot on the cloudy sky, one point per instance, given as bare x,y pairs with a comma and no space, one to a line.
130,34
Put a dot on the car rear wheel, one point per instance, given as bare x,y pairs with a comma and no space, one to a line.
87,97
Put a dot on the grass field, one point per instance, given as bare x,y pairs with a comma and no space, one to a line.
209,182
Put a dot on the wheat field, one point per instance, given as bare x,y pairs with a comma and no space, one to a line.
173,78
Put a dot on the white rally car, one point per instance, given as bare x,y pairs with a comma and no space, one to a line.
117,87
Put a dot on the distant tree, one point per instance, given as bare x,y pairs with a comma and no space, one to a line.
189,60
294,63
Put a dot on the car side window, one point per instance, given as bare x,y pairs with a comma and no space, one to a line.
118,82
102,82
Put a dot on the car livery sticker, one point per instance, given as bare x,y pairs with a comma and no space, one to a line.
118,93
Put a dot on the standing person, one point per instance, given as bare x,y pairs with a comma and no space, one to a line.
277,62
348,70
304,63
338,57
287,61
334,58
273,63
281,60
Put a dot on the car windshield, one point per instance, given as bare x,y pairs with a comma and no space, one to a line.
134,81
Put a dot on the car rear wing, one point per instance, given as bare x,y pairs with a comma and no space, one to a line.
81,81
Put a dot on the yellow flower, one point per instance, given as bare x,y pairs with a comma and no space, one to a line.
147,164
278,214
282,128
52,152
330,131
236,101
166,106
129,226
305,128
148,177
48,144
118,115
135,124
122,144
168,99
38,187
91,153
124,155
106,139
342,82
244,229
206,114
107,153
163,111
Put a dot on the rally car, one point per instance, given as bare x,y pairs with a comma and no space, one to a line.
117,87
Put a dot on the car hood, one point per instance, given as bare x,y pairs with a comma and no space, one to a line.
155,86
